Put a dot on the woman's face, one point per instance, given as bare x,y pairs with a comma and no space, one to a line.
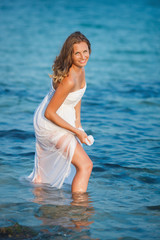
80,54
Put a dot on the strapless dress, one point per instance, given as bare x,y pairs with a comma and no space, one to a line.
55,146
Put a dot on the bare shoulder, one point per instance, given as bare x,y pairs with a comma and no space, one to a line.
67,84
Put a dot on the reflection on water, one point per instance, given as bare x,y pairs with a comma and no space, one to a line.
61,208
83,210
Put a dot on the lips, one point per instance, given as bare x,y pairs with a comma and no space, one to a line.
83,61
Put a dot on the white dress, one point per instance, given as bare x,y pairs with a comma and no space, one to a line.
55,146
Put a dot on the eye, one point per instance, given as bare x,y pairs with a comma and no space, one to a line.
76,53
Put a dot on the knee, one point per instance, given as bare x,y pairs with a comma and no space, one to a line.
88,166
91,165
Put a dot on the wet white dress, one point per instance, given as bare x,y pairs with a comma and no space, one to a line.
55,146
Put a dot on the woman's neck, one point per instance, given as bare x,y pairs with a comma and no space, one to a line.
77,69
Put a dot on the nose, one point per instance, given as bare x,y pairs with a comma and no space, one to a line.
82,56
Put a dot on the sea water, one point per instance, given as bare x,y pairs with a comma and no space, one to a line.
121,109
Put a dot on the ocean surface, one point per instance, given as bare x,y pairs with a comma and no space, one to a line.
121,109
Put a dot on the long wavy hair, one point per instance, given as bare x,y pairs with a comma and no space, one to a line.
63,62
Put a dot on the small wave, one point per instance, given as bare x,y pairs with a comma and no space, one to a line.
98,169
95,26
16,133
26,154
135,169
150,103
147,179
155,208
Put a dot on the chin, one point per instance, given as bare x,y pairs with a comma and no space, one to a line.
83,64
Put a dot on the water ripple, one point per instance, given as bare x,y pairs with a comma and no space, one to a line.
120,109
16,133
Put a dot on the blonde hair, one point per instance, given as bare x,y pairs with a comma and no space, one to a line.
63,62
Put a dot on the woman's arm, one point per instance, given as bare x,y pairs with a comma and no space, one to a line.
58,98
78,115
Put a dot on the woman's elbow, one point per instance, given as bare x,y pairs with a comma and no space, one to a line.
47,114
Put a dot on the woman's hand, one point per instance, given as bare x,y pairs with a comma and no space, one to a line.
81,135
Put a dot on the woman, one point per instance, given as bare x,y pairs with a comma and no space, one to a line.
57,122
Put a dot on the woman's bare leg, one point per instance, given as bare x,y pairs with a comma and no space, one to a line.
83,165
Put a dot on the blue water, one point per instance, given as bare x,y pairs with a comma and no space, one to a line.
121,109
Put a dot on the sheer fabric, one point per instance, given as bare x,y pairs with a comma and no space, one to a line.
55,146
